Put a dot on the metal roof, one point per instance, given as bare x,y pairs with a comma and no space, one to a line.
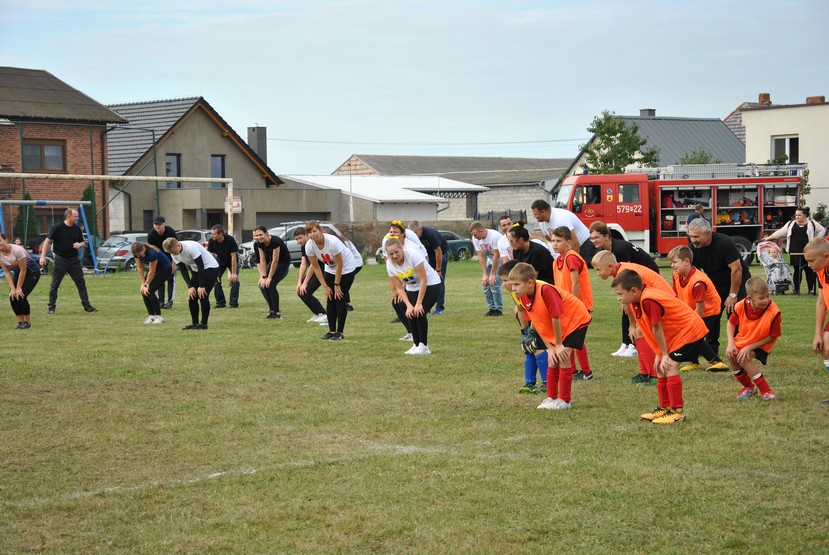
677,137
126,144
37,95
388,188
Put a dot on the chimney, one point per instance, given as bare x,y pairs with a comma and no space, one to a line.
765,98
258,141
647,112
815,100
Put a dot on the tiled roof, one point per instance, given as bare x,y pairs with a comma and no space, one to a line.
127,144
37,95
676,137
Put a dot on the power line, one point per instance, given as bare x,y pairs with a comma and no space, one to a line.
425,144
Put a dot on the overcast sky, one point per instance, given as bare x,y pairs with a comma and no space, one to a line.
519,78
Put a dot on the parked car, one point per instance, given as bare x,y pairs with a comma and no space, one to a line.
34,245
460,248
198,235
285,232
115,254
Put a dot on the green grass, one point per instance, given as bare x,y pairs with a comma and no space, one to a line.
255,436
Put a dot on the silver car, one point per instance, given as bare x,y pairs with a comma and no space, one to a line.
115,254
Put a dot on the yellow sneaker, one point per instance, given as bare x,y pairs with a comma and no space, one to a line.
718,367
672,417
658,412
689,366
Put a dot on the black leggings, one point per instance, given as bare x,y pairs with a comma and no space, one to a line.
210,278
337,309
420,325
21,306
151,301
270,293
309,299
400,310
798,264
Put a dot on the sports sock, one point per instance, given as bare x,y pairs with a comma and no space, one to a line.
662,392
646,357
529,368
542,364
743,378
584,363
675,392
761,383
552,381
565,384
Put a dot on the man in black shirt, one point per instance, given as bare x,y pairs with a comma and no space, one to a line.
224,248
717,256
67,238
437,249
524,250
156,237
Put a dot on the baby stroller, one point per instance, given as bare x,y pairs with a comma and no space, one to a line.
778,273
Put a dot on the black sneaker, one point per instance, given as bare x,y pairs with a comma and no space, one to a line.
496,313
274,316
90,308
336,337
167,305
192,327
640,378
583,376
220,306
19,326
234,306
50,310
489,313
328,336
24,325
202,326
395,321
349,308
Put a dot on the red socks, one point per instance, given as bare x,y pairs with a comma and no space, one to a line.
674,384
559,383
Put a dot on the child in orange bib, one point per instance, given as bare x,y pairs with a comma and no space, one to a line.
675,333
753,329
561,320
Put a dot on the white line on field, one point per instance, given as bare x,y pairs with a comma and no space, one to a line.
370,448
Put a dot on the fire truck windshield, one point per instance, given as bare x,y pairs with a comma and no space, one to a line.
563,196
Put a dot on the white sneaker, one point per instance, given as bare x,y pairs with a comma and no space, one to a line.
158,320
312,319
149,320
561,405
407,337
547,403
630,351
412,350
619,351
320,319
423,349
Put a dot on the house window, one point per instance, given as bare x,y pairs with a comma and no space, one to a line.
173,168
217,168
44,156
786,146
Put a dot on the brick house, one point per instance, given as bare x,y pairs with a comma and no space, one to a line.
46,126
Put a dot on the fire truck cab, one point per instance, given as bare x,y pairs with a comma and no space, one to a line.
649,207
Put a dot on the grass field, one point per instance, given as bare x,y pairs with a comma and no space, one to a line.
254,436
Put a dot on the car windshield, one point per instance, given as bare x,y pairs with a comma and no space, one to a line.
279,231
115,240
563,196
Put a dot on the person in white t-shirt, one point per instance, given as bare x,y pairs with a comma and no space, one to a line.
504,246
409,268
336,278
485,241
199,271
410,241
550,218
355,252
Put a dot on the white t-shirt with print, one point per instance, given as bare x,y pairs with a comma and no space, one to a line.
407,272
330,249
504,247
190,251
412,242
560,217
488,244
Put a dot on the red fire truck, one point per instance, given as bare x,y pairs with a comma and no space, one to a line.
649,207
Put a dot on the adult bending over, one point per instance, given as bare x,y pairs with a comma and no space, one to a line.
159,268
422,287
274,263
191,257
22,273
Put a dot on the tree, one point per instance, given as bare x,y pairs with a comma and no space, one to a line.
25,225
699,156
616,146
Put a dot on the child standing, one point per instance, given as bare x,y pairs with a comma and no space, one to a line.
696,289
607,267
570,273
816,253
674,332
753,329
535,359
561,320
